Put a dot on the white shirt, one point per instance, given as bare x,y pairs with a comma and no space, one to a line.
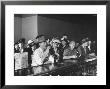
37,57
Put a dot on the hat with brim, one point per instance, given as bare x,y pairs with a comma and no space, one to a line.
30,41
56,41
41,39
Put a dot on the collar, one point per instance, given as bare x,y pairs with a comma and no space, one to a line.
40,49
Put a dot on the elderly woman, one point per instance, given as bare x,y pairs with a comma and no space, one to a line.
70,52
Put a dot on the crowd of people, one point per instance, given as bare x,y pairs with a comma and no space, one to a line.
56,50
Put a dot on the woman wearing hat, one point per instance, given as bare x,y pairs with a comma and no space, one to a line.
56,51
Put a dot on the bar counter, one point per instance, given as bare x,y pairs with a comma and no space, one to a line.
66,68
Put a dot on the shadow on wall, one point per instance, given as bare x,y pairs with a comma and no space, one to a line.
76,27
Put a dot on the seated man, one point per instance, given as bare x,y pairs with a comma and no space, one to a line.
40,54
70,52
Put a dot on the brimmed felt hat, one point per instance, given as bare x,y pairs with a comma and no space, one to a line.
41,39
56,40
30,41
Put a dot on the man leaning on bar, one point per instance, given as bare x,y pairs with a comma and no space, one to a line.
40,55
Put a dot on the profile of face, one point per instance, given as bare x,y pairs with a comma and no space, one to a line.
21,45
55,44
63,43
72,44
33,47
16,46
43,45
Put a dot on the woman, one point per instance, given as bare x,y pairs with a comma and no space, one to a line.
70,52
56,51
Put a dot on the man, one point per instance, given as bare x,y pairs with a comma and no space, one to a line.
30,51
87,46
84,48
16,48
40,55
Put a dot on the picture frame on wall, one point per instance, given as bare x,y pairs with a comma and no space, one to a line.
10,8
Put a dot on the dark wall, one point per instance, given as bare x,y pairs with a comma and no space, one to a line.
75,26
